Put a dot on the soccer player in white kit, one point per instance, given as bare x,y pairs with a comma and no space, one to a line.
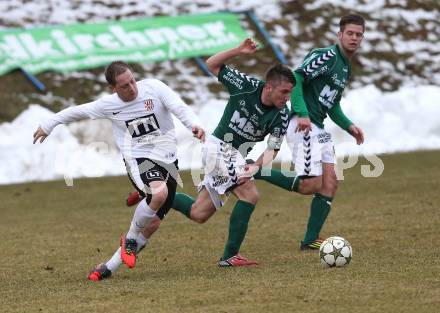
140,113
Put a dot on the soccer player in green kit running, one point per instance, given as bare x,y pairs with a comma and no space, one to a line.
320,81
255,109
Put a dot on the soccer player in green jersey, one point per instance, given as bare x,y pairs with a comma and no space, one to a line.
321,79
255,109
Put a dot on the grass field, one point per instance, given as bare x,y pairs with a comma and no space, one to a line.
52,235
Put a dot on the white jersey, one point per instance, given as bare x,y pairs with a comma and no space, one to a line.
143,128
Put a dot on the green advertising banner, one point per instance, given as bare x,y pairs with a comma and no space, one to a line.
82,46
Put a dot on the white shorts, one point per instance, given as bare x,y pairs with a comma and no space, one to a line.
310,151
222,165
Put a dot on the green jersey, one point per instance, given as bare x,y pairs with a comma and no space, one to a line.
246,120
326,72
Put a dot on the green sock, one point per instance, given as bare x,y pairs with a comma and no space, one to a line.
319,210
277,178
183,203
238,225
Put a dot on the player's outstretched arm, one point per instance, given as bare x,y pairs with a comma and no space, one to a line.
66,116
215,62
40,134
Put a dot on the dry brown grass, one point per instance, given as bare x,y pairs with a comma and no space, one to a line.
52,235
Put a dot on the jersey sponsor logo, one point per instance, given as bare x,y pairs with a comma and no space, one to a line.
242,123
153,174
149,105
337,81
317,162
219,180
324,137
237,78
251,80
258,109
147,140
328,96
142,126
243,127
245,111
234,80
321,71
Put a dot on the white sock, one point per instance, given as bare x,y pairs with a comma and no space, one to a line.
141,241
142,217
116,261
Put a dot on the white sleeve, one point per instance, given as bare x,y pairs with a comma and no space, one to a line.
80,112
175,104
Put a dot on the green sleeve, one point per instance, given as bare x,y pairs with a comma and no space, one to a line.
337,116
235,81
297,97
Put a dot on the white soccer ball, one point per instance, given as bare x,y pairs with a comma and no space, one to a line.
335,251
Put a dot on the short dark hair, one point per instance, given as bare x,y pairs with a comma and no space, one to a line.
351,19
114,69
279,72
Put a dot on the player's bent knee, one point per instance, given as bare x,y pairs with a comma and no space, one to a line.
251,196
328,190
333,186
199,217
333,181
255,196
203,208
309,186
330,186
159,198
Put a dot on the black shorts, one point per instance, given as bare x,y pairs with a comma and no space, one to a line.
143,171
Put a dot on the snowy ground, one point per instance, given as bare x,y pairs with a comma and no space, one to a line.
402,120
392,122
